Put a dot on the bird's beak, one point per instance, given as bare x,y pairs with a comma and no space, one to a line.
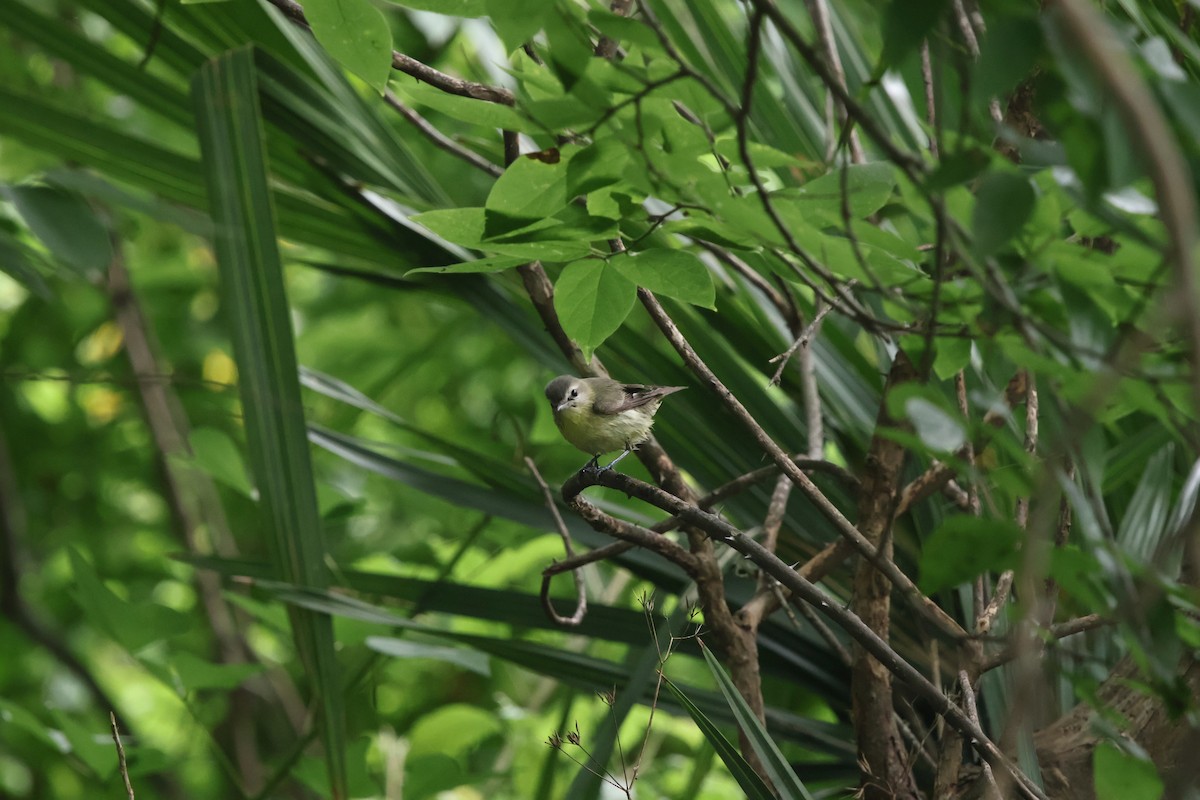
561,406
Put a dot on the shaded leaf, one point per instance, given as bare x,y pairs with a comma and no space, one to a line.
592,299
675,273
356,34
1003,203
965,546
65,223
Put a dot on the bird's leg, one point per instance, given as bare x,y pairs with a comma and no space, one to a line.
592,465
613,463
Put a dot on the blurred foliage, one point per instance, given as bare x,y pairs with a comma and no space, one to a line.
423,365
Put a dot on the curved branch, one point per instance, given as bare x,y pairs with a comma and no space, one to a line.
801,589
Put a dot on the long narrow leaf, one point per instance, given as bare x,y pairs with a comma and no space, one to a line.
231,137
773,761
746,777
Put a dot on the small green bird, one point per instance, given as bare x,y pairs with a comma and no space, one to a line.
600,415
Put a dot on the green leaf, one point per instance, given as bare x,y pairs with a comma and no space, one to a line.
528,189
482,113
230,126
470,660
675,273
906,23
196,673
623,29
1122,776
454,730
866,188
939,431
481,265
453,8
134,625
217,455
592,299
1003,203
777,767
16,264
356,34
966,546
742,772
64,222
516,21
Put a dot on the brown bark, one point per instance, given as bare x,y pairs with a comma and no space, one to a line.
880,748
1065,747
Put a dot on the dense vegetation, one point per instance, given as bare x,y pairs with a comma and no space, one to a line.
279,489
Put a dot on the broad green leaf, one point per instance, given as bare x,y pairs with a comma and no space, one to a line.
864,187
1122,776
134,625
966,546
459,225
517,20
675,273
453,730
470,660
596,166
742,772
777,767
215,453
1003,203
592,299
65,223
356,34
939,431
905,24
231,137
529,189
1007,53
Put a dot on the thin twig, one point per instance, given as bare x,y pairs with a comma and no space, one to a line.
440,139
410,66
802,340
580,589
1059,631
818,498
802,590
969,701
819,11
112,719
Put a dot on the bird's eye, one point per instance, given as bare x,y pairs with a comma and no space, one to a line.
574,393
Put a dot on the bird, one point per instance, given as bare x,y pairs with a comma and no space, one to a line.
601,415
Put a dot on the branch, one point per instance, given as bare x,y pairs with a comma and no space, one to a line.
440,139
823,504
580,589
721,531
112,719
410,66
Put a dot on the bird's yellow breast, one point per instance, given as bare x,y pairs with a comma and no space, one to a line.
595,433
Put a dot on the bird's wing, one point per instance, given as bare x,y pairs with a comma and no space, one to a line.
635,395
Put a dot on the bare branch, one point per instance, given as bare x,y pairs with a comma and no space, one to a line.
847,529
112,719
580,612
440,139
803,590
